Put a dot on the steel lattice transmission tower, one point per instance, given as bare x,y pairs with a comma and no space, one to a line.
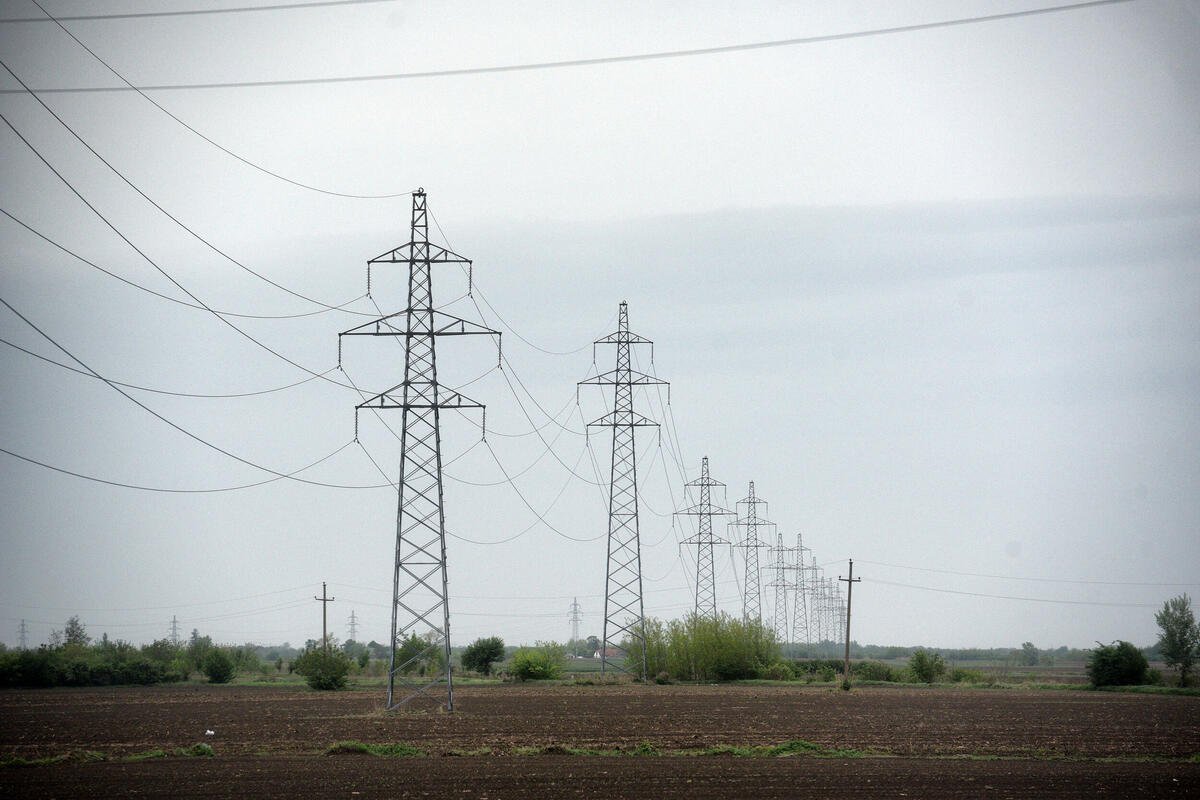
420,595
706,578
800,627
750,541
576,618
781,558
623,608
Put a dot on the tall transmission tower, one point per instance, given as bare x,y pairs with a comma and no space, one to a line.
706,577
174,630
420,588
353,625
575,619
817,602
623,608
750,541
800,627
22,634
781,564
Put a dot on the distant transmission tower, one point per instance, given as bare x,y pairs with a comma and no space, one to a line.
781,564
420,595
623,608
22,634
750,541
174,631
575,619
800,627
706,577
353,625
817,602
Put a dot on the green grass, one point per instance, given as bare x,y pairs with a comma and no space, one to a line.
200,749
146,755
1190,691
77,756
396,750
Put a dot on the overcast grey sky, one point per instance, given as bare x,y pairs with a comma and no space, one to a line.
937,293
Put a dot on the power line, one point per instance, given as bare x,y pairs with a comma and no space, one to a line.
162,608
166,490
1027,578
163,391
217,145
191,12
155,264
174,425
590,62
34,94
148,290
1012,597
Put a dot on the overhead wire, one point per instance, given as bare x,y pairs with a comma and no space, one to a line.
178,222
166,391
148,290
167,490
1010,597
215,144
191,12
597,61
1030,578
176,426
155,264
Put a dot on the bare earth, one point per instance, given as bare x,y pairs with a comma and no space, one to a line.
270,742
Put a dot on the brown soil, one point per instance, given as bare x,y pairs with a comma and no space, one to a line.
270,742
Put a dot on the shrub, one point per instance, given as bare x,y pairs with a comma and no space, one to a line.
323,671
482,653
960,675
926,667
662,678
1116,664
699,648
874,671
218,666
778,671
544,661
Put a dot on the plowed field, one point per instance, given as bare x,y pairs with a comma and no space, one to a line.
270,742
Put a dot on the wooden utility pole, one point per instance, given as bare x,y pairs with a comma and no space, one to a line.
850,581
325,601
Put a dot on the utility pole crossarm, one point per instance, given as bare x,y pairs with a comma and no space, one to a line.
623,419
394,398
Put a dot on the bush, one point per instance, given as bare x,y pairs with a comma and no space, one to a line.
874,671
926,667
482,653
699,648
218,666
960,675
321,670
778,671
662,678
1117,664
544,661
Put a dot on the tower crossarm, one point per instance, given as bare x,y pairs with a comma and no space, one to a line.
439,324
615,377
623,419
703,508
420,251
394,398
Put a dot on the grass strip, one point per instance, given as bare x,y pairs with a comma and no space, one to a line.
396,750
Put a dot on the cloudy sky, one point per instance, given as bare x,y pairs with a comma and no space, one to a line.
936,292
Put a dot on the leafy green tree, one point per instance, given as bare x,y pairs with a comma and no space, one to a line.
219,666
1029,654
74,634
1179,643
925,666
593,644
198,649
1117,664
543,661
482,653
321,670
